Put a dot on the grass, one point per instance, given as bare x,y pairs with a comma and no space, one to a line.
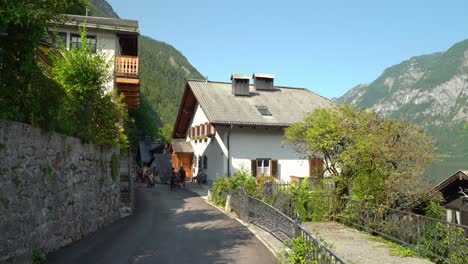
396,249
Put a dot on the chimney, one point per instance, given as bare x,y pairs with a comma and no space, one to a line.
240,84
263,81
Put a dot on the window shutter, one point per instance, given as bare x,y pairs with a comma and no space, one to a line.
253,167
274,168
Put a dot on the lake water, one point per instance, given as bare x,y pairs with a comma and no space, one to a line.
445,167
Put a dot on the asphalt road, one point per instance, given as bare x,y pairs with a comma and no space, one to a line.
168,227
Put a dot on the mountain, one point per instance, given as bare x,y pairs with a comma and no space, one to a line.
429,90
102,8
163,72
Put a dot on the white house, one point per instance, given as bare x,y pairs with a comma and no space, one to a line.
235,125
116,38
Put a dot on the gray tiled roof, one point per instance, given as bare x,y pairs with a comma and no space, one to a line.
287,105
145,148
181,146
117,24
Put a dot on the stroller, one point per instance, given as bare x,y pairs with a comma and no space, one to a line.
150,181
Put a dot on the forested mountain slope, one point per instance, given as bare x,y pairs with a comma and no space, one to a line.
430,90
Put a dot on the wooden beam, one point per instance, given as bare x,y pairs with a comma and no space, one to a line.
127,80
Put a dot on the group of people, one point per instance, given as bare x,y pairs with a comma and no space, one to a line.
146,177
178,178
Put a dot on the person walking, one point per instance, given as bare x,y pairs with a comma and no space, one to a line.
173,179
182,176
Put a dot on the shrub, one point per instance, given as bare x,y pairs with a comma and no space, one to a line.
296,251
222,185
311,202
88,111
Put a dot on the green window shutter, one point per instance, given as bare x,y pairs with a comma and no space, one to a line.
253,167
274,168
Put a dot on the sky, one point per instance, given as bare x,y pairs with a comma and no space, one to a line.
327,47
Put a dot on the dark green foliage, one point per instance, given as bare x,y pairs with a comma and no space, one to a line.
87,111
115,167
142,122
73,102
38,256
222,185
380,161
296,251
311,201
164,71
4,201
102,8
24,89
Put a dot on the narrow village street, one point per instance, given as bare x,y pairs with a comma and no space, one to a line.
168,227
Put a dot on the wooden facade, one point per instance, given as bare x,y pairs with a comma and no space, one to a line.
126,69
182,156
183,160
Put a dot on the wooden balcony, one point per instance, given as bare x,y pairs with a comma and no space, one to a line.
126,66
128,80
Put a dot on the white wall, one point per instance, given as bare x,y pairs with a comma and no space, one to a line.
251,143
246,144
215,152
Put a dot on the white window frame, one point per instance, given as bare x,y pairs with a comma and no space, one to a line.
263,167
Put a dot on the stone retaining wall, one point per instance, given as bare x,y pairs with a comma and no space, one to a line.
53,190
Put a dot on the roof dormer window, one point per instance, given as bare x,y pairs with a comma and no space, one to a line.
263,110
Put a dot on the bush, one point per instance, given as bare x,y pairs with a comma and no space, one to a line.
222,185
88,112
311,202
296,251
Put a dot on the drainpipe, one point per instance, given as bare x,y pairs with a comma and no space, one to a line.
229,152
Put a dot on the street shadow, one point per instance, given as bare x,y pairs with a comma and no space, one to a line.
168,227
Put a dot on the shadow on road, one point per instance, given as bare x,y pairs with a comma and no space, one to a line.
168,227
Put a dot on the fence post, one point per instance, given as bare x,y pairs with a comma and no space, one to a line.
210,195
227,206
297,230
244,205
418,223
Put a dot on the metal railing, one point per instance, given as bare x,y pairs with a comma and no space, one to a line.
126,65
319,252
254,210
429,236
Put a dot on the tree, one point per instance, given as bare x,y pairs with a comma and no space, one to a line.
89,112
23,23
369,158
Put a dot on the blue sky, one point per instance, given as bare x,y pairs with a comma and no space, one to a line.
325,46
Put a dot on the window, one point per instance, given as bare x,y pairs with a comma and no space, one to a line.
202,162
316,168
58,38
263,110
75,41
263,167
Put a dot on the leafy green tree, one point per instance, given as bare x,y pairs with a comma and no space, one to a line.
89,112
372,159
22,24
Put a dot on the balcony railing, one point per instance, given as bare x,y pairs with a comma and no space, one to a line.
126,66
